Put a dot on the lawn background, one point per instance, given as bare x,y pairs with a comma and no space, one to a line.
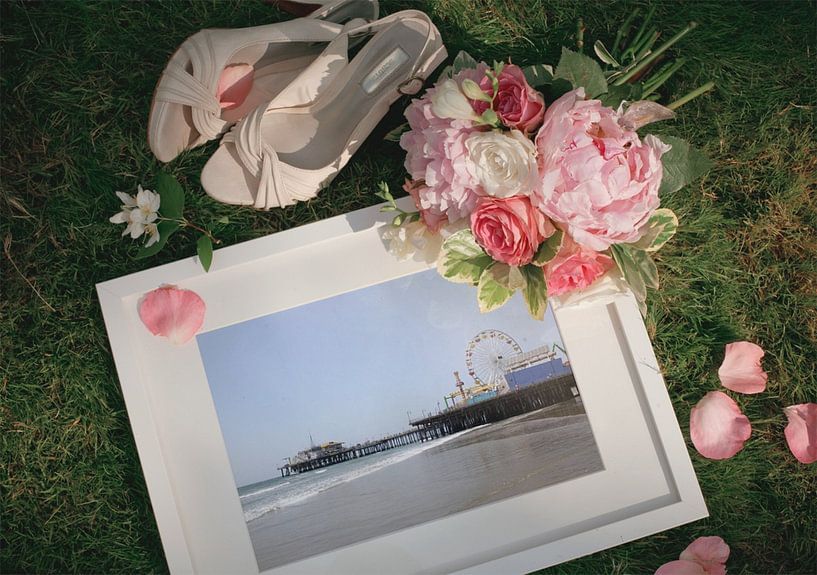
77,80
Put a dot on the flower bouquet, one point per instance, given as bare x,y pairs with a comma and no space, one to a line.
540,191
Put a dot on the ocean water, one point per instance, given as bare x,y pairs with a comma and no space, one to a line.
296,517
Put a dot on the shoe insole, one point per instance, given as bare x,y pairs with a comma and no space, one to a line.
315,137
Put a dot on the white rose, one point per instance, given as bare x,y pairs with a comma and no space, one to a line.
505,164
449,102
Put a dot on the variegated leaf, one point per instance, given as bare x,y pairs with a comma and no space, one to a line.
462,260
660,228
535,291
492,291
548,249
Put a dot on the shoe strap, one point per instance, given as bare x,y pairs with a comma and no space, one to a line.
210,51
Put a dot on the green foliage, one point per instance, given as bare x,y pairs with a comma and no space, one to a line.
638,269
548,249
204,249
462,260
538,75
682,165
166,229
535,291
172,196
583,71
494,287
660,228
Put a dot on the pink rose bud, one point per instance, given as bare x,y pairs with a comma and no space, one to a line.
575,267
510,229
517,104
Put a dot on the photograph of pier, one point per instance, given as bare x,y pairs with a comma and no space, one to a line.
388,407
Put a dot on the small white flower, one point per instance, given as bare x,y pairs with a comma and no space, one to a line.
139,213
153,231
449,102
505,164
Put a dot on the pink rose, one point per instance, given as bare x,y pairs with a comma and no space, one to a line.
510,229
517,104
597,178
575,267
432,217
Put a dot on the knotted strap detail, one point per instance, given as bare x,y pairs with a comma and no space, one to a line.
279,183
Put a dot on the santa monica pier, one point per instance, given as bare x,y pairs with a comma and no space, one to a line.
506,382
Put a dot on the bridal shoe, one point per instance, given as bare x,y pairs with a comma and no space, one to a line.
285,151
218,75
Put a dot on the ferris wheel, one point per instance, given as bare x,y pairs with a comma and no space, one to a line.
486,354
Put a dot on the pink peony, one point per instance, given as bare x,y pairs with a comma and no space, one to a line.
431,216
597,178
436,153
510,229
517,104
575,267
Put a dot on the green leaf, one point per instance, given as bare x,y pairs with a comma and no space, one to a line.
463,61
604,54
538,75
508,276
492,293
548,249
489,117
682,165
535,291
166,229
462,260
395,134
204,249
556,89
617,94
224,220
172,196
638,269
583,71
660,228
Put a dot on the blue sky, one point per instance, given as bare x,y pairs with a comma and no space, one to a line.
348,368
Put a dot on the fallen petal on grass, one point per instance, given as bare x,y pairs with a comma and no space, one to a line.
801,432
717,426
174,313
741,370
710,553
680,567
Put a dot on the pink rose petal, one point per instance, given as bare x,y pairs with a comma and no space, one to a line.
717,426
174,313
801,432
740,370
234,84
710,553
680,567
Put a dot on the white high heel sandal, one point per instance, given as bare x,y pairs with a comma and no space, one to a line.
185,112
289,149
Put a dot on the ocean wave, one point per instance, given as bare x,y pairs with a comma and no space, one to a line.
311,489
264,490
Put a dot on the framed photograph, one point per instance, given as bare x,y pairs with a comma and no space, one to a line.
342,411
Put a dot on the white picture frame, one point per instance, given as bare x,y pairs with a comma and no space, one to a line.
648,484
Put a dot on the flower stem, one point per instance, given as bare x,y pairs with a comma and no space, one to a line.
654,55
184,222
693,94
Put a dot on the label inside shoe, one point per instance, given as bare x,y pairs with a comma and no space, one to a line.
383,70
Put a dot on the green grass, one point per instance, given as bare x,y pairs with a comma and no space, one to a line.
77,79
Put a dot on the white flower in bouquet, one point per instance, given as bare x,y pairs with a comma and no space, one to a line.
449,102
504,163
